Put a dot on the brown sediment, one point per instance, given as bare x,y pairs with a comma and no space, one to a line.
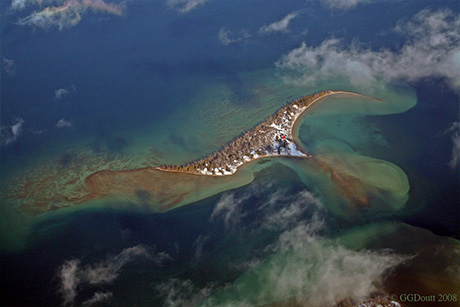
90,177
259,142
349,187
53,184
163,190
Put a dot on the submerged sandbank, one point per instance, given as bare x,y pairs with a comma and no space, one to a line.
274,137
166,188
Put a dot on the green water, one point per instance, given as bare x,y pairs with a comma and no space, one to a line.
312,270
332,131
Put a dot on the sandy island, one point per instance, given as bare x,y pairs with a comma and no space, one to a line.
172,186
276,136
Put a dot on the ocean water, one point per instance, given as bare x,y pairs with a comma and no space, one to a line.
158,87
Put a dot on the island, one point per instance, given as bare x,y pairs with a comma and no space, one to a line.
276,136
89,177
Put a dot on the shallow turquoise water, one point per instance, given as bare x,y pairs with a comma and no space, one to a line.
157,87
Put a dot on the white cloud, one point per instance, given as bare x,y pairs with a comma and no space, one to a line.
63,92
10,134
431,51
228,208
245,265
9,66
291,211
309,270
185,6
60,93
18,5
179,293
279,26
226,37
455,130
67,13
99,297
278,208
455,150
303,267
36,132
199,245
343,4
72,274
62,123
160,258
107,271
321,273
454,268
69,280
299,236
16,129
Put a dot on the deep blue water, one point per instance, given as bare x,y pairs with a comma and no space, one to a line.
136,70
91,235
434,184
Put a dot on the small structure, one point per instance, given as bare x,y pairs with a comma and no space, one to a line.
280,137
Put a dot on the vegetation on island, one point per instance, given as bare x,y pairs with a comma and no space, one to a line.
269,138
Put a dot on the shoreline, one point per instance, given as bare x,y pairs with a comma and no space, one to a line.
285,144
169,186
307,156
298,120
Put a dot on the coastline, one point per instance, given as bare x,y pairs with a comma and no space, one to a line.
296,124
285,144
164,187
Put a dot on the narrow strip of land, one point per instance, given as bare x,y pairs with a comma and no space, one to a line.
53,187
273,137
